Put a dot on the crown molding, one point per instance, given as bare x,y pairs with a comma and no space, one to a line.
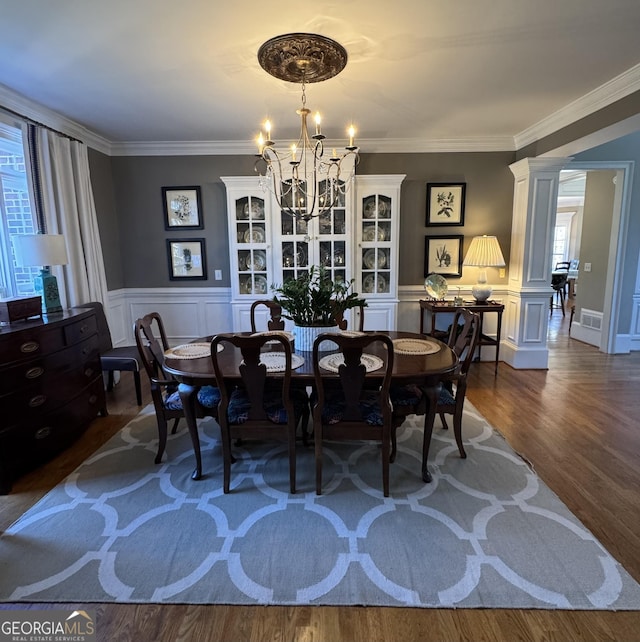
367,146
613,90
34,111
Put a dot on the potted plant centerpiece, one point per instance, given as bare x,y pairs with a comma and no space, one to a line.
314,302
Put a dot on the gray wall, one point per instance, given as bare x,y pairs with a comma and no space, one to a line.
130,211
596,231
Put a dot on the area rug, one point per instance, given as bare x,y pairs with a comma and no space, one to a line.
485,533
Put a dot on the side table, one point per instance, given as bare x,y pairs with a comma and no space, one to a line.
438,307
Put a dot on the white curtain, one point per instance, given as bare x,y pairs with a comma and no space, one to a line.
60,176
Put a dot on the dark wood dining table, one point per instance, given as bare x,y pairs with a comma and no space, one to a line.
425,370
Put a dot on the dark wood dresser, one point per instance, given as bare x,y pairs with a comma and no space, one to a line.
51,388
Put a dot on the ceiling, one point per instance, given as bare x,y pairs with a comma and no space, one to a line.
421,74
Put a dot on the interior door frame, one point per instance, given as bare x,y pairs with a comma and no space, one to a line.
617,246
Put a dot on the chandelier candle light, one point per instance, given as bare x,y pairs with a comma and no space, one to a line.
304,181
483,252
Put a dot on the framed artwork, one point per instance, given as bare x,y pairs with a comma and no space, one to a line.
445,204
182,208
443,255
187,259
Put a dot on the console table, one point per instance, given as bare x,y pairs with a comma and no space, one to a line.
439,307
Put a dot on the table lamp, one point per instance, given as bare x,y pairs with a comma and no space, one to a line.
483,252
42,250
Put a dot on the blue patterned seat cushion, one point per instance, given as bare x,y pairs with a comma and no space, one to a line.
411,395
238,410
334,407
208,396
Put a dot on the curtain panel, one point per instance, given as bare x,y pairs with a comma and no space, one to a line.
63,198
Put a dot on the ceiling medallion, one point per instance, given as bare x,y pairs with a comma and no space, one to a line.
302,57
305,182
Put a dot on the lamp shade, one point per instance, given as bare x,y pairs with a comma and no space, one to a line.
484,251
40,249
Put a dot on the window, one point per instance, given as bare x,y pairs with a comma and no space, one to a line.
15,211
561,237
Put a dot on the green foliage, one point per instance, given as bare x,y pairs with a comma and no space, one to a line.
314,299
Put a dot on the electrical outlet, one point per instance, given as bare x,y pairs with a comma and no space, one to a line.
502,273
218,275
587,267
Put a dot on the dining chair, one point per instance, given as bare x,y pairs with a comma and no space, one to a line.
558,284
352,409
264,405
410,399
121,358
275,320
342,323
562,265
152,343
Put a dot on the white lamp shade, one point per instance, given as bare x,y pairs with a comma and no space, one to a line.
40,249
484,251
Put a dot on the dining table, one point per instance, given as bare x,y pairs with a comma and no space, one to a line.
411,364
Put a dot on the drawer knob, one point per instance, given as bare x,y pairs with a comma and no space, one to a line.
83,328
29,346
43,433
34,373
36,401
93,399
88,373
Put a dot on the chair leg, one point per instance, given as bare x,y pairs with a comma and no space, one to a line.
162,438
136,381
445,426
318,452
110,381
292,461
457,431
385,465
174,428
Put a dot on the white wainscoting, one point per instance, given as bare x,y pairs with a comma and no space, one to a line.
187,313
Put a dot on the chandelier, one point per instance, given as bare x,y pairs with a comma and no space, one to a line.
305,182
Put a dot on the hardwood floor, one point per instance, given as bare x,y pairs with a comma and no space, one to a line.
577,423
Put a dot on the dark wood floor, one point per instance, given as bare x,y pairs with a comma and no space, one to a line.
578,423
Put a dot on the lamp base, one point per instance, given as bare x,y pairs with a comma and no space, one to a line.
47,285
481,292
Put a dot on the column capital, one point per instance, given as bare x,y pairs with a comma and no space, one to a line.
528,166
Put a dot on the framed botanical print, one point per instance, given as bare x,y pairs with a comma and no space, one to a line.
182,208
445,204
443,255
187,259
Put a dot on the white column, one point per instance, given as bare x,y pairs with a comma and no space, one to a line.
524,336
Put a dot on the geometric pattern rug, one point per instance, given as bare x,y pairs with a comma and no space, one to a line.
485,533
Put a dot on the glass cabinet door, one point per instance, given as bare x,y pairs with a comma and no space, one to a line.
377,239
251,246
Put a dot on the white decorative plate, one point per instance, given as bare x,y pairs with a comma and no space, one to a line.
436,286
371,262
260,285
415,346
275,361
371,211
191,351
369,233
333,361
257,211
259,262
256,235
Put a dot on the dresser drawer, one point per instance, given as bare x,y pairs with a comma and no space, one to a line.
80,330
23,445
36,373
33,342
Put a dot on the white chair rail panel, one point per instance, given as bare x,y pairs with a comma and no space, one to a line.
187,313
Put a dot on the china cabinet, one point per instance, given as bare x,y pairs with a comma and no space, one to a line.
356,238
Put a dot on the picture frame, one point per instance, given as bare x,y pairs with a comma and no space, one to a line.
187,259
445,204
443,255
182,208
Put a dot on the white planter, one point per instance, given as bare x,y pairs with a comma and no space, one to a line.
305,336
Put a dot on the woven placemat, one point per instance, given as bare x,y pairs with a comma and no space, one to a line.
191,351
415,346
275,361
333,361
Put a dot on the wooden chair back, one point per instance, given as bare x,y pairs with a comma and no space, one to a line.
275,320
